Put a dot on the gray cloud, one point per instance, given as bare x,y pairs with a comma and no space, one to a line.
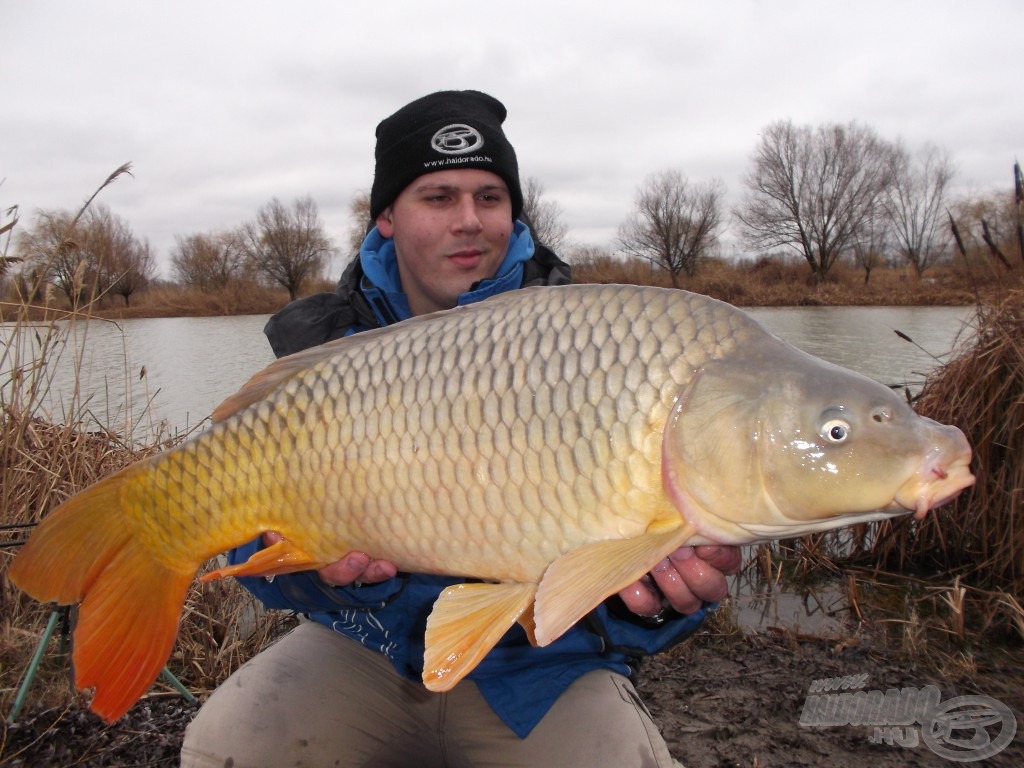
221,106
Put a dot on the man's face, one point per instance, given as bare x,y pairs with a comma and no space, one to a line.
451,229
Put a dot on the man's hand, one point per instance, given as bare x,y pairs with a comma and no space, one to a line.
354,566
687,578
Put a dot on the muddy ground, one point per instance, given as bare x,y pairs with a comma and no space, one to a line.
721,702
737,702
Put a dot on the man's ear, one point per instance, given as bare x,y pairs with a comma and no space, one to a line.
384,223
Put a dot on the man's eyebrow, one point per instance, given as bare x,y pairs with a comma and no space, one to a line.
431,187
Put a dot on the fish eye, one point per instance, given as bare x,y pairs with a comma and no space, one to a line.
835,430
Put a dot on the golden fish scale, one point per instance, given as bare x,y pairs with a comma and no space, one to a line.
485,442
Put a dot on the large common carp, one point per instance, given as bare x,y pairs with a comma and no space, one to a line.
555,443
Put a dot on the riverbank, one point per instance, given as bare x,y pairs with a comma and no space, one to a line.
724,698
768,283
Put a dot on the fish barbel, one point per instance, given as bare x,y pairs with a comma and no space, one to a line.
555,443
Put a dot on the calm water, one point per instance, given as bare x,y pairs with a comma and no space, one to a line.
865,340
192,364
172,371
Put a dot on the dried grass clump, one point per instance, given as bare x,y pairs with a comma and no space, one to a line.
959,573
43,462
776,282
237,298
45,457
223,627
606,269
982,392
975,545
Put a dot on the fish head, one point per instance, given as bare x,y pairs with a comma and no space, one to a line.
778,443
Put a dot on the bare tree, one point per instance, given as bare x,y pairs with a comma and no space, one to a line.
813,189
287,246
586,253
208,261
124,264
7,224
85,256
915,203
66,250
1018,198
871,243
988,227
361,223
544,217
131,269
8,220
50,252
674,224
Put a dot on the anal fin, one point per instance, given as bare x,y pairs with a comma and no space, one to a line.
281,557
466,623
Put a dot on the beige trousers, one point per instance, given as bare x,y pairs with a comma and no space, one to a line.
319,699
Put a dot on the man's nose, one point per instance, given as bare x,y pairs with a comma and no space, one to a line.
466,217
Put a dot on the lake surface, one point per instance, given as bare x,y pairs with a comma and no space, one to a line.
191,364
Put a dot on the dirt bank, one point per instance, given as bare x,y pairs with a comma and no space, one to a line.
737,702
720,702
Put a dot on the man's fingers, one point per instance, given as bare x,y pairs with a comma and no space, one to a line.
674,585
728,560
702,581
379,570
343,572
641,599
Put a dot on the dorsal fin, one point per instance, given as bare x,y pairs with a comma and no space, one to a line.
275,374
270,378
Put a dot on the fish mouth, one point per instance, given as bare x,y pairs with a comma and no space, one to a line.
935,483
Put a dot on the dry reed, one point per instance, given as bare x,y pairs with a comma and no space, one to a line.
982,392
775,282
960,572
975,546
47,456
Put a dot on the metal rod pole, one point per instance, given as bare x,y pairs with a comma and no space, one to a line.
175,683
30,673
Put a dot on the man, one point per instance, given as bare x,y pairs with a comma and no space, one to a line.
343,689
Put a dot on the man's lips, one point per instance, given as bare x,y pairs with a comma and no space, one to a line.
468,257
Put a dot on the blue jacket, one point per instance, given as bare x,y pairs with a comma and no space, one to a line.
520,682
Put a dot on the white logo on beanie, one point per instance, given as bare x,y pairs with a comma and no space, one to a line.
457,139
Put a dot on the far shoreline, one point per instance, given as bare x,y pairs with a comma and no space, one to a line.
786,287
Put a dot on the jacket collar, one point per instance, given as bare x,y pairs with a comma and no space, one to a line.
383,288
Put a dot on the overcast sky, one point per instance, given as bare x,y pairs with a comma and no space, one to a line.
221,106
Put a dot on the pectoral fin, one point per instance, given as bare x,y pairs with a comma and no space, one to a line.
579,580
279,558
467,621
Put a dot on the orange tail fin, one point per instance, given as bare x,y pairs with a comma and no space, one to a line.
86,551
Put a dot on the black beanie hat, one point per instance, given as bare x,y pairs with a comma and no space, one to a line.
445,130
